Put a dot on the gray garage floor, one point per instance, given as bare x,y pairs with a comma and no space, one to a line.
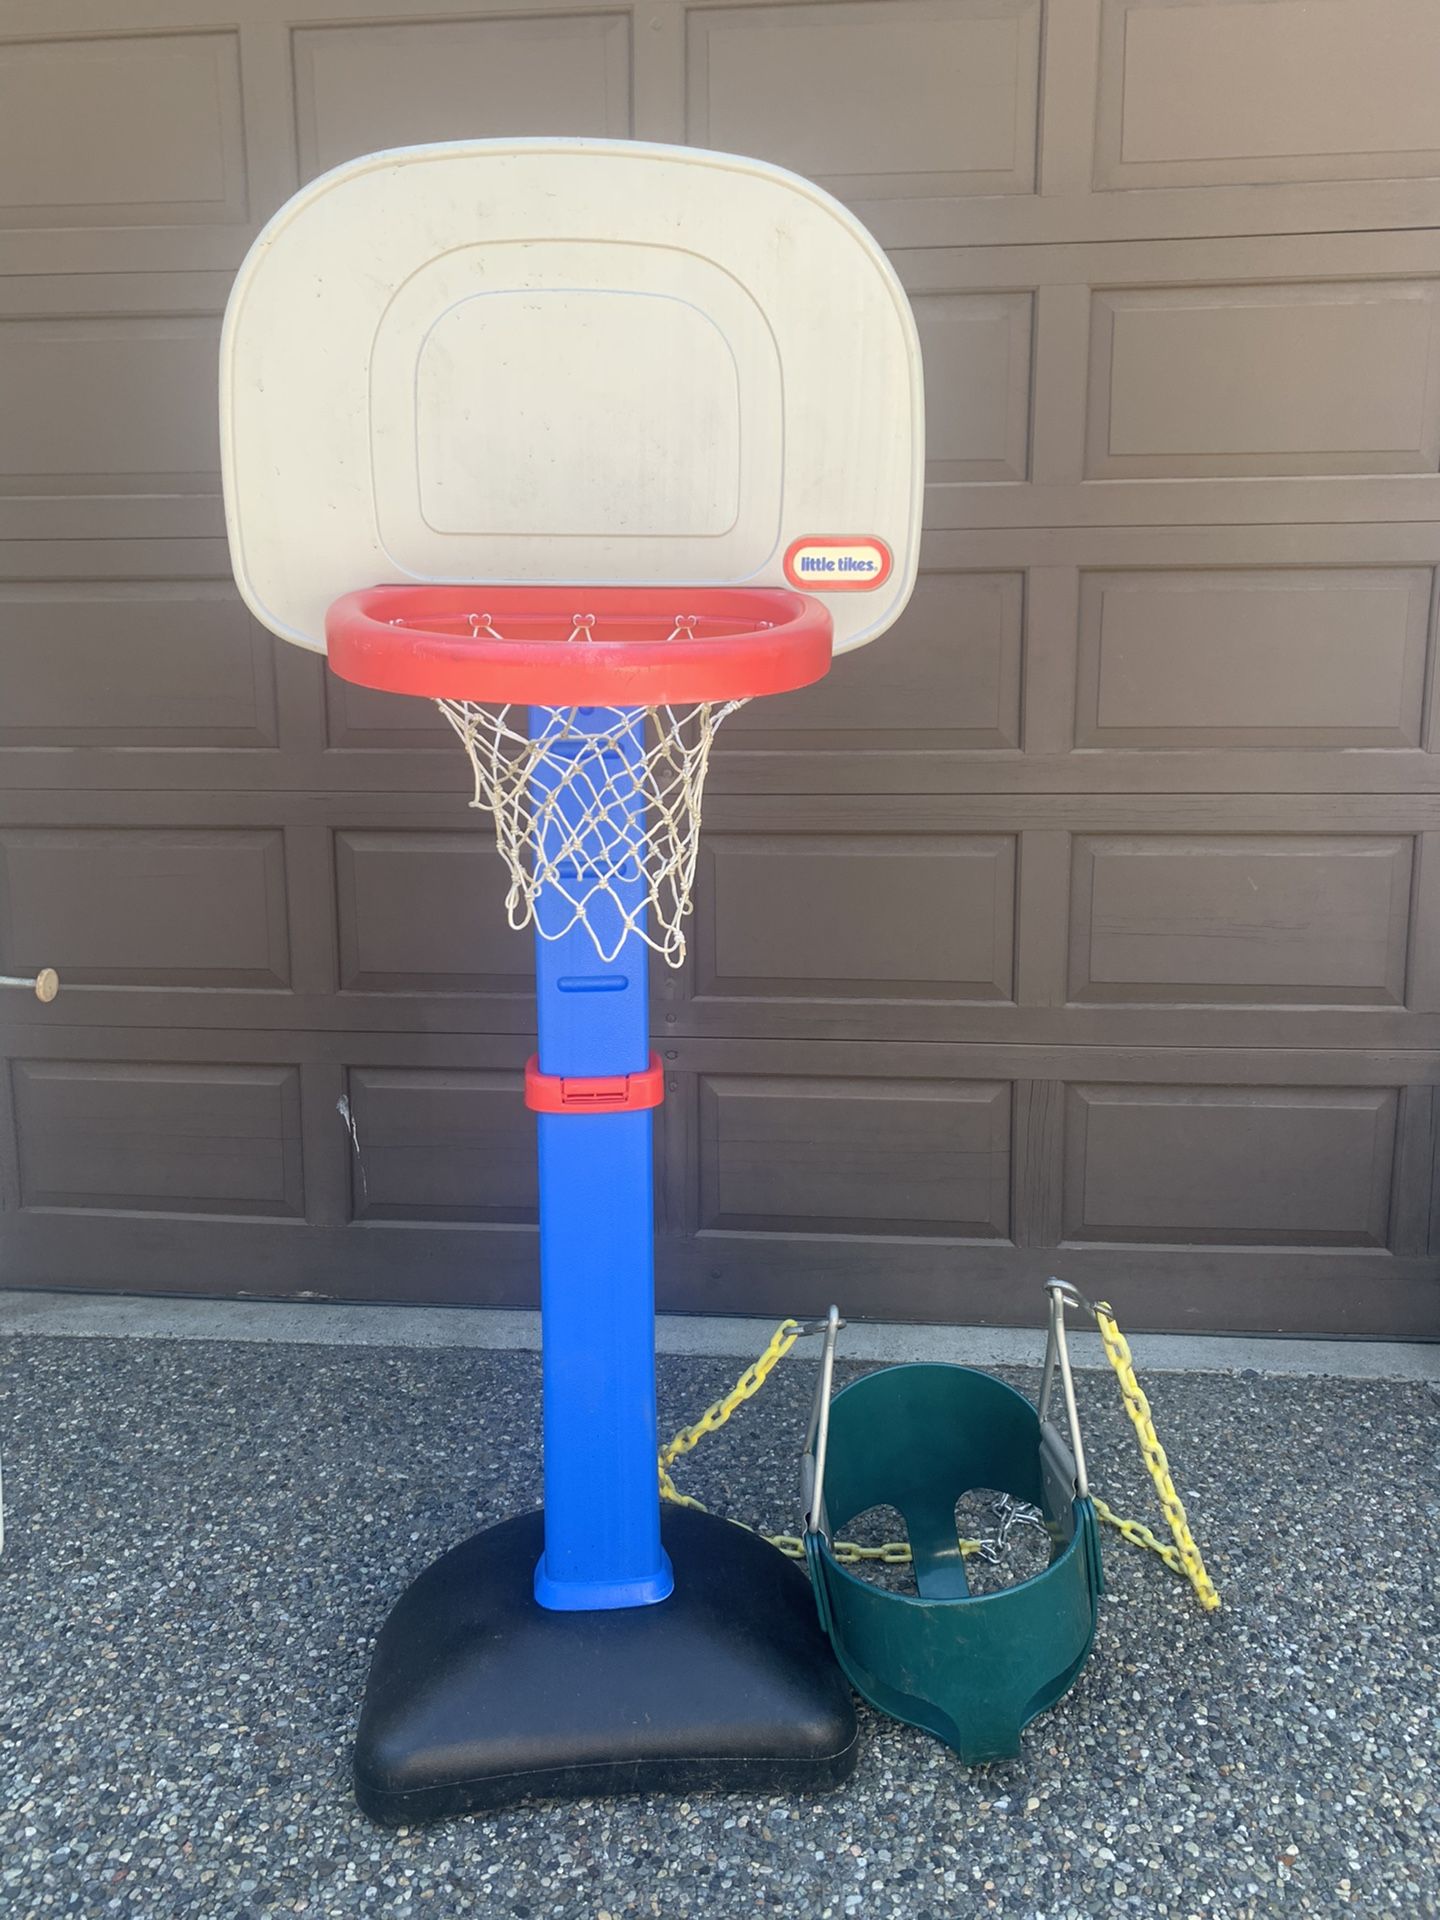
202,1537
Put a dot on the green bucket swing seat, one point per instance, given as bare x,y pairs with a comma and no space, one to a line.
971,1668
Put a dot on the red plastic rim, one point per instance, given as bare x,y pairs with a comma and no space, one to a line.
421,639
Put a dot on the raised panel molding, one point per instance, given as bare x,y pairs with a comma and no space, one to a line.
441,1146
109,405
814,87
1256,92
1326,378
395,83
159,1139
862,916
977,384
1259,657
119,663
146,907
1298,920
1229,1166
142,130
845,1157
425,913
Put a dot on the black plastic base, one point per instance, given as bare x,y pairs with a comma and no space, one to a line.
478,1697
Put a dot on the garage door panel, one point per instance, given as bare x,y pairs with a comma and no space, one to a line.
814,87
441,1146
136,908
111,430
425,912
109,404
1423,988
856,916
135,131
841,1157
1295,921
1332,378
109,664
1309,657
213,1139
1303,1166
393,83
977,349
1252,92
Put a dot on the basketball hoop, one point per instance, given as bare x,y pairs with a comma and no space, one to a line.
596,790
597,361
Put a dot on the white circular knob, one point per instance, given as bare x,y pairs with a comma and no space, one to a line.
44,985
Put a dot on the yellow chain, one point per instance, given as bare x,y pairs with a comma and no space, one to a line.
715,1415
1183,1557
894,1553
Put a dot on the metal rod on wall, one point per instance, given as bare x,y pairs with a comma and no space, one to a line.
44,985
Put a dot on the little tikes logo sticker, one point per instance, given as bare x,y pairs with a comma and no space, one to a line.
838,566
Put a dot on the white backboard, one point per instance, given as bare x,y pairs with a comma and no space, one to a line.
569,361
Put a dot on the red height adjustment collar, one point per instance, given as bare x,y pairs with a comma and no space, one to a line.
599,1093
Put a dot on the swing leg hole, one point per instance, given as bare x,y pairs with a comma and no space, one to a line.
878,1527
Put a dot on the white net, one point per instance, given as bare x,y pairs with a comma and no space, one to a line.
596,809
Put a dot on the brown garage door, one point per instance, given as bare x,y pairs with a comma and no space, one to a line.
1091,921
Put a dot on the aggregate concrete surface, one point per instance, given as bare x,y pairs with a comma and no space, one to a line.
202,1539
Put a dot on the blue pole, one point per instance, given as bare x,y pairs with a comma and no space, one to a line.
597,1223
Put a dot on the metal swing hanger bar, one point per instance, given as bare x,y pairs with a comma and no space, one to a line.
1057,1352
812,1469
817,1436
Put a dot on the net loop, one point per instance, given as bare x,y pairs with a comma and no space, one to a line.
596,809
